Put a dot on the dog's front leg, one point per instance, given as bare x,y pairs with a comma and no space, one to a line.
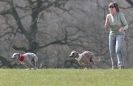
22,63
25,65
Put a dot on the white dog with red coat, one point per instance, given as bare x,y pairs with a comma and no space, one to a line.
27,59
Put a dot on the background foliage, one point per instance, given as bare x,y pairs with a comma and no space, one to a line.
53,28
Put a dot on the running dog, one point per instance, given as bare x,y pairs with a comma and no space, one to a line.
85,59
27,59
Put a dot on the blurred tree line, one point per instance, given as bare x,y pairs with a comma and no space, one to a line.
53,28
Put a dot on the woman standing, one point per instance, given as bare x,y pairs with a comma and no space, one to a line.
116,22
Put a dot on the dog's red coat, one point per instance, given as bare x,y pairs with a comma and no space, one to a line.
21,58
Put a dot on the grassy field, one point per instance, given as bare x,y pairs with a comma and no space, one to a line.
66,77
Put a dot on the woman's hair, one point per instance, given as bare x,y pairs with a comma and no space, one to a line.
115,5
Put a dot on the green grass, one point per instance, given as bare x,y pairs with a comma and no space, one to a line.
66,77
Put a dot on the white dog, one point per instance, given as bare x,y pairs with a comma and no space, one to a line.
26,59
85,59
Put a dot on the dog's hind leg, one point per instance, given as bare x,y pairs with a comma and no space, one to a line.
34,63
29,63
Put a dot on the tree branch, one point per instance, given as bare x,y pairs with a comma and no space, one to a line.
130,2
6,12
18,21
19,48
62,42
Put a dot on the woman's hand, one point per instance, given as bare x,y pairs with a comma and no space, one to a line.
121,29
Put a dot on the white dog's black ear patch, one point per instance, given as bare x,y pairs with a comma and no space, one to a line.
73,53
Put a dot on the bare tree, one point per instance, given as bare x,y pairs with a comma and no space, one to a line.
52,28
33,8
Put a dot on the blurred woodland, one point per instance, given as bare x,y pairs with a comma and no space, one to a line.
53,28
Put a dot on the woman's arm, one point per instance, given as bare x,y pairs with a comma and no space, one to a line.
124,22
106,25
